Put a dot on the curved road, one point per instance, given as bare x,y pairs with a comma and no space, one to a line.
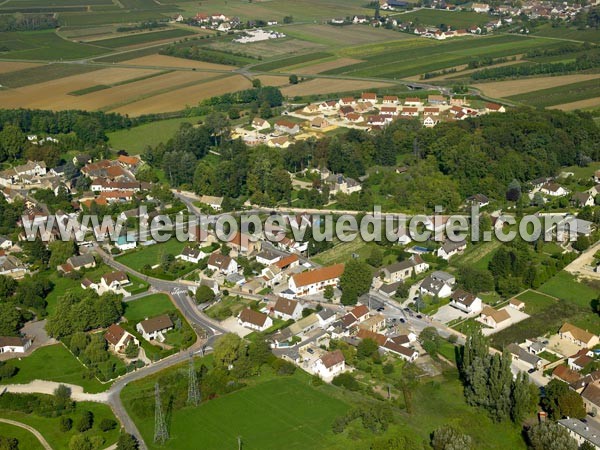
32,430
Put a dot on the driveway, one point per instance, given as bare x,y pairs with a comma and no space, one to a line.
582,266
515,317
447,314
562,346
231,324
37,331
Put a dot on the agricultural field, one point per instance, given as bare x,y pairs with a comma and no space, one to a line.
587,92
590,35
35,74
327,86
417,56
291,61
273,48
177,99
10,66
345,36
136,139
65,368
515,88
157,60
300,10
142,38
455,19
43,45
324,66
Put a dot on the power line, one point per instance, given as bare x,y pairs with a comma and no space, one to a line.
161,434
194,396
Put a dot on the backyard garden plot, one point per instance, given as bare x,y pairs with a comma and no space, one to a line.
419,56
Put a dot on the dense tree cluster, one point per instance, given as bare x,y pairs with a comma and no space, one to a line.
355,281
550,436
86,311
489,383
561,401
92,350
27,22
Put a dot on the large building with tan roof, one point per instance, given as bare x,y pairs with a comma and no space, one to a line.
582,338
314,281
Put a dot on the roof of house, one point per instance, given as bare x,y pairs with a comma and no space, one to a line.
463,297
403,265
592,393
367,334
314,276
523,354
287,261
360,311
326,313
516,302
369,96
499,315
114,334
393,346
285,306
219,260
372,321
565,374
118,276
333,358
157,323
81,260
12,341
576,332
450,246
254,317
286,123
348,320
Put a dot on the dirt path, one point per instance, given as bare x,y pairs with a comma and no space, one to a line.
32,430
582,265
48,387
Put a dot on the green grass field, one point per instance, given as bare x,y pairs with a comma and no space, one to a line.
564,285
547,30
65,368
559,95
436,17
149,306
106,17
49,427
292,61
416,56
283,412
138,138
26,439
151,254
345,36
535,301
44,45
143,38
41,74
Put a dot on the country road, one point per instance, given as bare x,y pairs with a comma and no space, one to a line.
32,430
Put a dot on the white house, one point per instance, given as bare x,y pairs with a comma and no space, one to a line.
254,320
449,249
114,281
494,317
12,344
118,338
285,126
215,203
155,328
190,254
287,309
403,270
330,365
465,301
266,258
5,243
260,124
582,338
218,262
553,190
314,281
435,286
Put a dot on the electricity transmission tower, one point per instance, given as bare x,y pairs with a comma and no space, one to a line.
161,434
194,396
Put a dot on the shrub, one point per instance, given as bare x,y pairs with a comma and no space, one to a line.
107,424
66,423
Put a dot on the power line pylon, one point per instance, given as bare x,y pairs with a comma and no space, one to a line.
161,434
194,396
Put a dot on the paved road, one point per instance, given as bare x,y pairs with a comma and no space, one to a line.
32,430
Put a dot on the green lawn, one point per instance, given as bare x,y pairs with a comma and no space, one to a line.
26,439
64,368
276,413
149,306
50,429
535,301
135,140
564,285
45,45
227,307
151,254
584,172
